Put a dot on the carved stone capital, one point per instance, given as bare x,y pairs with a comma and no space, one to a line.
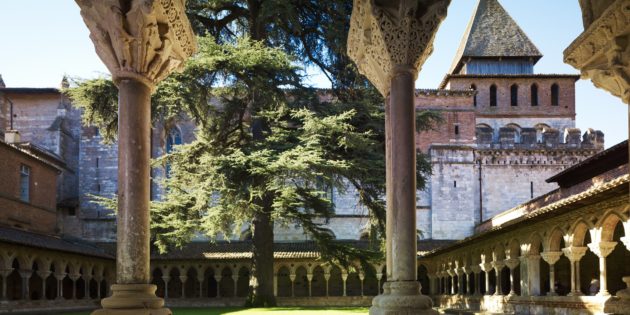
512,263
476,269
390,36
551,257
574,253
498,265
602,51
486,267
602,249
143,40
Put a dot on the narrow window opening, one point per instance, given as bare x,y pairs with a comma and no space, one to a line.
456,129
534,95
474,88
455,183
493,95
25,182
514,95
531,190
97,162
555,91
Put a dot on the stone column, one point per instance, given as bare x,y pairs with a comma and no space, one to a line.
389,43
551,258
4,273
432,284
486,267
601,51
602,249
575,254
200,280
344,277
217,278
60,277
292,278
86,287
361,277
183,280
530,275
468,272
512,263
44,274
477,287
74,277
309,278
25,274
275,284
327,277
498,266
98,279
141,43
235,279
166,280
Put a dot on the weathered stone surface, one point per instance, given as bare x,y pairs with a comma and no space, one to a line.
602,51
387,34
143,40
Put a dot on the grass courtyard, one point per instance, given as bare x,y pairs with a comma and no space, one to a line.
270,311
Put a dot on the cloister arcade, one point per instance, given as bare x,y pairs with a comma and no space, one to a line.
578,259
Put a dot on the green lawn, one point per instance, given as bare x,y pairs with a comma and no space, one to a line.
274,311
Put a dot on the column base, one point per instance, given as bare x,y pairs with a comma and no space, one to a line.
133,299
402,298
576,294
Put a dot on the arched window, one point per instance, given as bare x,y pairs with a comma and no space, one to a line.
474,88
493,95
514,95
555,93
174,137
534,95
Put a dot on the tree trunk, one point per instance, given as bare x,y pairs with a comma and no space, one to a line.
261,291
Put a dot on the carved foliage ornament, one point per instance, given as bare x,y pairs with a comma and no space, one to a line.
602,52
140,39
386,35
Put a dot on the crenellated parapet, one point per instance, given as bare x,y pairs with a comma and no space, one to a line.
511,137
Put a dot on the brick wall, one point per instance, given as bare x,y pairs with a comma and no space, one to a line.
565,108
39,213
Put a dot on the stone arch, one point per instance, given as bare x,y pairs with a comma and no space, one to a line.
354,283
617,260
210,282
554,239
484,133
14,281
335,283
513,249
191,287
540,128
318,284
226,285
423,278
607,225
174,283
578,233
517,131
300,285
156,279
370,283
283,281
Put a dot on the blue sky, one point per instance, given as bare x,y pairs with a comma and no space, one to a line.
44,39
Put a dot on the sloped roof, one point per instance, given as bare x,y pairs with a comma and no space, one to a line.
50,242
492,32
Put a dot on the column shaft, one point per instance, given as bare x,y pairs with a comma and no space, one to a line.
401,195
603,285
134,129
